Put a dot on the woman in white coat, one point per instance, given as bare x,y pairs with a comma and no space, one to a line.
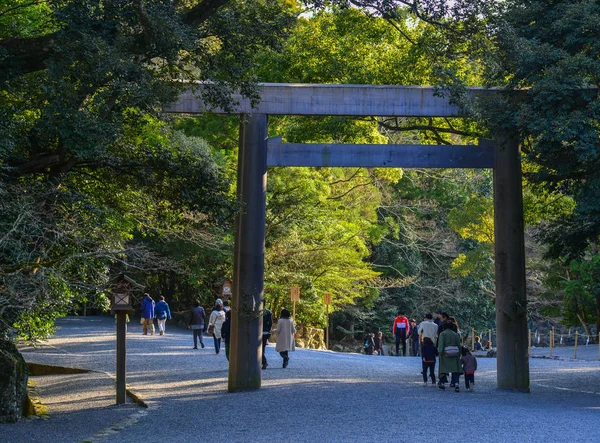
217,317
285,336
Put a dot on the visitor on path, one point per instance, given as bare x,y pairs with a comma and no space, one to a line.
285,336
477,346
197,323
379,343
266,335
400,329
428,353
217,317
147,314
226,332
162,313
469,364
449,351
438,320
413,335
369,345
443,317
427,328
226,305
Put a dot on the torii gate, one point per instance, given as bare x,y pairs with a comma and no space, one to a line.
257,152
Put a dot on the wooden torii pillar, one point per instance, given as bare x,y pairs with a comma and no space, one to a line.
256,153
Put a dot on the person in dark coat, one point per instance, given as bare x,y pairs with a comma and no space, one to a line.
414,337
197,323
267,326
369,344
226,332
428,353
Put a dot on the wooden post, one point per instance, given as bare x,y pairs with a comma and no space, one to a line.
490,338
529,342
551,340
327,301
576,340
121,350
327,329
472,339
249,256
509,257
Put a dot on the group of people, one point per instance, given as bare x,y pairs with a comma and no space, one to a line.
152,310
219,326
432,339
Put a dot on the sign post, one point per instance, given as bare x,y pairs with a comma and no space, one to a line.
327,301
121,307
295,296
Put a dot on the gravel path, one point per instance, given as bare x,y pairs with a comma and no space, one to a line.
322,396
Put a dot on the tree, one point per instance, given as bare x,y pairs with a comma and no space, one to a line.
92,179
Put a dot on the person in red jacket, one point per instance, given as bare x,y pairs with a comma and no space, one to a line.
400,330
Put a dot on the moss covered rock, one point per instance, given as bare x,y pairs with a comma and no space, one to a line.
13,382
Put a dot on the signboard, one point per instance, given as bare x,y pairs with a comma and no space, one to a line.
226,290
295,293
327,298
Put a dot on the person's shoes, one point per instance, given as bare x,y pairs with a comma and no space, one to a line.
441,386
162,333
195,347
285,362
217,352
452,385
265,366
424,384
433,384
471,388
457,389
202,344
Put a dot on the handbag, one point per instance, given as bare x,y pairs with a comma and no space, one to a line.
451,351
211,329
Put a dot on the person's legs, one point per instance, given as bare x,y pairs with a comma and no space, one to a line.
398,338
196,333
201,336
161,325
227,350
403,337
265,340
285,357
456,381
424,366
431,367
144,327
150,324
217,343
415,347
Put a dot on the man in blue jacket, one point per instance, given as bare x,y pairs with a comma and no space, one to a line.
163,313
148,313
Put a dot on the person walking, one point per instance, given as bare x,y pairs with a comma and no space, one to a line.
217,317
413,335
427,328
226,332
428,354
379,343
449,350
369,345
266,335
197,323
285,336
147,314
469,364
162,313
400,329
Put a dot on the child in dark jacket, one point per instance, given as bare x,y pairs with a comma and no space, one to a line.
469,364
428,353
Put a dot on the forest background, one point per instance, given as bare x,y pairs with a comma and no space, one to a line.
96,181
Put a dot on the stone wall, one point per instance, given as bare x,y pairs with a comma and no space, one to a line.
13,383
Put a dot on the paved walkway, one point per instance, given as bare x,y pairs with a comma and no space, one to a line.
321,397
